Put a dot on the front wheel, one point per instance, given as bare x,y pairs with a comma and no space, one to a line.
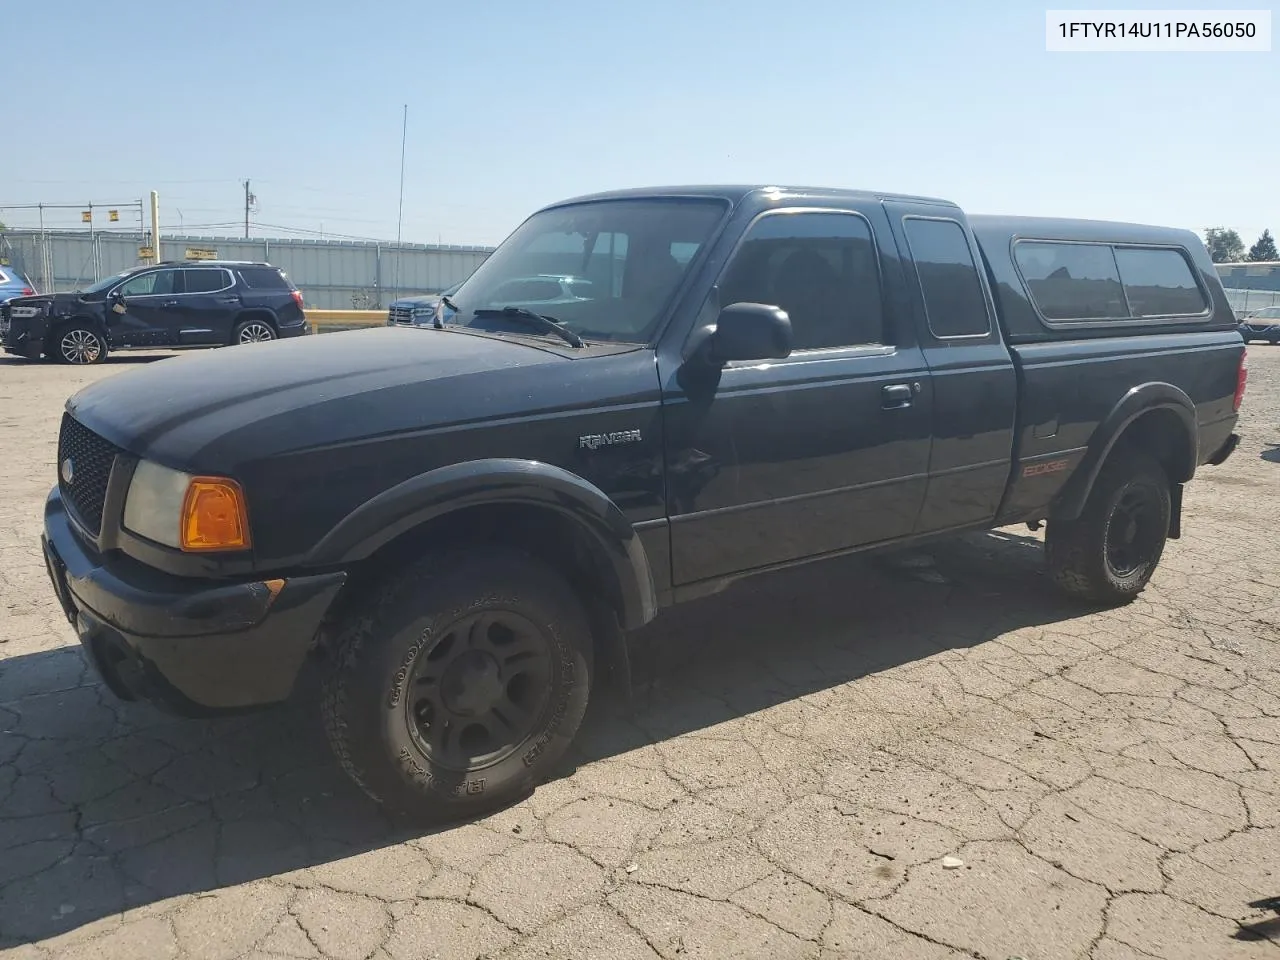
79,344
461,686
254,331
1109,553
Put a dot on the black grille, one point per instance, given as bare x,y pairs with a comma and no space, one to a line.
91,459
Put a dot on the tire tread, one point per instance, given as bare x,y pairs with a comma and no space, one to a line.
344,690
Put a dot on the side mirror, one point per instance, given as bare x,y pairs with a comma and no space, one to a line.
751,331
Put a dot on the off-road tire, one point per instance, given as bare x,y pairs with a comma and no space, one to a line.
62,345
367,688
1076,551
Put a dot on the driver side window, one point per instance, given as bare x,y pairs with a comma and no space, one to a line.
156,283
819,267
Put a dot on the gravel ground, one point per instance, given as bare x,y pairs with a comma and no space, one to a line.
860,760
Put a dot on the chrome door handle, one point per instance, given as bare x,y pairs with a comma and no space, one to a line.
895,396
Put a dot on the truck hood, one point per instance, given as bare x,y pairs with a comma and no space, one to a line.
213,410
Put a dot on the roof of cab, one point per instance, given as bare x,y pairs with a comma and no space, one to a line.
735,193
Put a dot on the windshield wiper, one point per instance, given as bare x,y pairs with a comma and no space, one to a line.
539,320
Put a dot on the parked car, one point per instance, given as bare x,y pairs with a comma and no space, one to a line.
415,311
1262,324
541,291
181,304
14,283
462,523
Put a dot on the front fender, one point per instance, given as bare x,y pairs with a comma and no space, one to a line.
1139,400
435,493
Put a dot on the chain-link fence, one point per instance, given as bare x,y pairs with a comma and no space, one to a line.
1246,301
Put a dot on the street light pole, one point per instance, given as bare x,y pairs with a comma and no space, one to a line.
404,130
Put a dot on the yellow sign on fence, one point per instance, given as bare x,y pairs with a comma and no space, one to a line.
86,216
146,253
113,215
201,253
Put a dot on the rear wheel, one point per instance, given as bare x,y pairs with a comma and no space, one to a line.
1109,553
461,686
79,344
254,330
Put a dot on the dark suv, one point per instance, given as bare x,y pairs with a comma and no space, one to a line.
199,303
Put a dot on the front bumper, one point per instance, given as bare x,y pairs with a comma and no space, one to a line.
18,339
193,647
1261,331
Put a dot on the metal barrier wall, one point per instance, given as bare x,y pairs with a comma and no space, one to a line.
332,274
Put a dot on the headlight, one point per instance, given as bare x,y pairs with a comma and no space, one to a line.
189,513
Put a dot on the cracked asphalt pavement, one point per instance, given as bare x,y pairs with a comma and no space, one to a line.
901,761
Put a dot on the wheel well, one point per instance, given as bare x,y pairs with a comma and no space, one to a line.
542,532
1162,435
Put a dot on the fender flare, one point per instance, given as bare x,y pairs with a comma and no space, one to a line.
441,491
1140,400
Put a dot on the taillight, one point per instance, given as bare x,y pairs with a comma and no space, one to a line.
1241,377
28,292
297,297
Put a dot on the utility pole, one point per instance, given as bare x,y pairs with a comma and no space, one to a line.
404,130
248,201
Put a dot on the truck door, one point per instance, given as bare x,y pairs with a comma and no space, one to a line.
974,382
825,450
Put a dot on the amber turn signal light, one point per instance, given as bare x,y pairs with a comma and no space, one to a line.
214,515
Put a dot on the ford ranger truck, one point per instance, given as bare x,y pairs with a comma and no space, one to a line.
463,520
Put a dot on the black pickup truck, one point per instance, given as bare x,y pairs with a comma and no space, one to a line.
462,519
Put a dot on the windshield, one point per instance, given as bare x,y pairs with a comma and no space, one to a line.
604,269
103,285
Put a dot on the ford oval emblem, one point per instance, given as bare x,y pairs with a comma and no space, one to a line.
68,470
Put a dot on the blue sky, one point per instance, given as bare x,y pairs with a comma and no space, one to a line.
514,104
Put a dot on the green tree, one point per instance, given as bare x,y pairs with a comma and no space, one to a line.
1264,249
1225,246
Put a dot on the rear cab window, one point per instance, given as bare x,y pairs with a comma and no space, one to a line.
1073,282
955,302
